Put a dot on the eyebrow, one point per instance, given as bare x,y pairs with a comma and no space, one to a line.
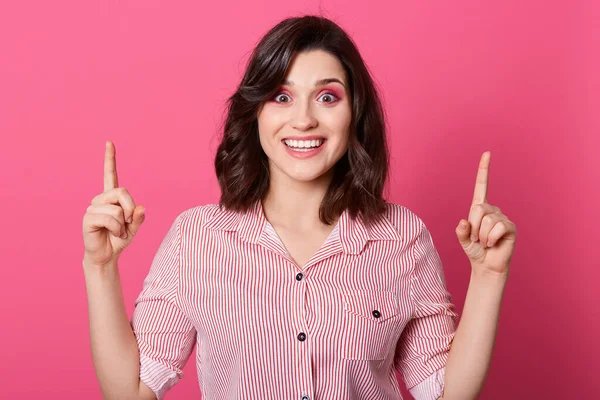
320,82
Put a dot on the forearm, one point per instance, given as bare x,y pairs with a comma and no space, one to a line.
113,344
472,347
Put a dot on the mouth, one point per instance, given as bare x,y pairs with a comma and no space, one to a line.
304,149
304,145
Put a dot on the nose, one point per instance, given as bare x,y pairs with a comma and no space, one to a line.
303,118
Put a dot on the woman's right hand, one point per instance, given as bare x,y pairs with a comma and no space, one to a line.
112,220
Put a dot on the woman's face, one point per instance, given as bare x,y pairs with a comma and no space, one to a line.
304,128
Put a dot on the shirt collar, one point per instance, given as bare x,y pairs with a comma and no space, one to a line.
353,232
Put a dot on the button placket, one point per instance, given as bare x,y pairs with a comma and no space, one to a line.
305,349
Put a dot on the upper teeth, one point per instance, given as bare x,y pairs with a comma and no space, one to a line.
303,143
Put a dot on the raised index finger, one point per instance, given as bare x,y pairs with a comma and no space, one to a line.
481,183
110,167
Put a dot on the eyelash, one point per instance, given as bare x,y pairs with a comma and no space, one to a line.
326,93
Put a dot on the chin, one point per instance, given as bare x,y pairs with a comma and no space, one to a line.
304,176
301,171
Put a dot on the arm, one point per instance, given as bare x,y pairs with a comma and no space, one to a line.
471,350
165,335
423,348
113,344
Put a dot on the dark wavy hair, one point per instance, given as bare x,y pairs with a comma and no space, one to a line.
241,164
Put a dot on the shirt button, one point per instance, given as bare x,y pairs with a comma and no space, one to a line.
299,277
302,336
376,314
305,398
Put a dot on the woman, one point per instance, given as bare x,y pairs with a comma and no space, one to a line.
303,282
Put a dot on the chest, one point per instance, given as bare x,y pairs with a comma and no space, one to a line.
349,306
302,245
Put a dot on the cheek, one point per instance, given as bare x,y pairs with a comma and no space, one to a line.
268,143
339,121
340,124
266,130
269,123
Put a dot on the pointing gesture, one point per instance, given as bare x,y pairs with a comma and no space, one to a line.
488,236
112,220
110,168
481,183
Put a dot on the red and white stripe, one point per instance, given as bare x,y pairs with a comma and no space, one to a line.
370,301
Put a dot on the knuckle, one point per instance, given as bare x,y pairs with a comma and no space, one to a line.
124,193
117,213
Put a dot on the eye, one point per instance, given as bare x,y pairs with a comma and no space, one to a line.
333,98
331,95
279,96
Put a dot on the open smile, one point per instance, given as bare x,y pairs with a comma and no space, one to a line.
304,148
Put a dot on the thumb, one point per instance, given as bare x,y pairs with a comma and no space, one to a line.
139,215
463,232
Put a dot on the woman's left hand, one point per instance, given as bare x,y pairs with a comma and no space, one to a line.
488,237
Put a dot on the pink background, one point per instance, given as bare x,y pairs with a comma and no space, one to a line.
519,78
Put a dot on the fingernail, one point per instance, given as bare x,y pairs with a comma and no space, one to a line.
473,238
129,220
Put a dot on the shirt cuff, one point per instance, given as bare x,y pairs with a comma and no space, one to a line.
157,376
432,388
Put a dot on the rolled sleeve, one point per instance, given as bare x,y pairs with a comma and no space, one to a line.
431,388
164,334
423,347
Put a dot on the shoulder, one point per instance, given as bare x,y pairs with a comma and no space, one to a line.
196,218
404,221
401,217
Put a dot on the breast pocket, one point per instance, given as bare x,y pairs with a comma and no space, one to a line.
372,322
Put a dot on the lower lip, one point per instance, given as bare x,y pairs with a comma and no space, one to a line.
304,154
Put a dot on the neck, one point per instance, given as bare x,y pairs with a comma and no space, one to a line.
292,203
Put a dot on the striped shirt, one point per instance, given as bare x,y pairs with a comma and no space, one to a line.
371,301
